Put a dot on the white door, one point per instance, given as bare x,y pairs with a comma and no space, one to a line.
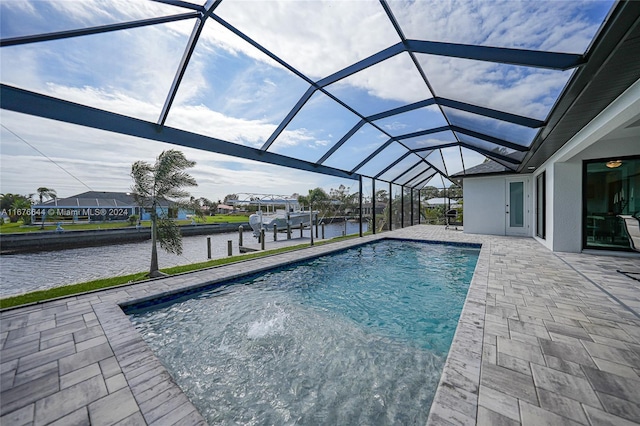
516,207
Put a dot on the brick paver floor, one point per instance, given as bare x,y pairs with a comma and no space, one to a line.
543,338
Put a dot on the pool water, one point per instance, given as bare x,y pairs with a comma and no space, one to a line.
357,337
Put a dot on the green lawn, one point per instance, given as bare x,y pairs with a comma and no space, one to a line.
69,290
12,228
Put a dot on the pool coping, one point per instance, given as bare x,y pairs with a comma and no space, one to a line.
461,369
460,377
456,398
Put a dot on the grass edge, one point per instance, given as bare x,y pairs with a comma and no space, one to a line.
47,295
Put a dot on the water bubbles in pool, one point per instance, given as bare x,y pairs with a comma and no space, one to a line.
272,322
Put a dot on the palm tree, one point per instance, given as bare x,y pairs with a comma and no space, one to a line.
317,198
22,207
163,182
45,193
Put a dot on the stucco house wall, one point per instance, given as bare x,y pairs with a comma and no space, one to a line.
613,133
484,202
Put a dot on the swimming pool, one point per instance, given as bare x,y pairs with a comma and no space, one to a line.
357,337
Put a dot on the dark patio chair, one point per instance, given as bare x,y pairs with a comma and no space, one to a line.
632,226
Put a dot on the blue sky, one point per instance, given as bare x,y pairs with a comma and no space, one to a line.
234,92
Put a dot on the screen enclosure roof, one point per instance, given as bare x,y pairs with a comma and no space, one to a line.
406,92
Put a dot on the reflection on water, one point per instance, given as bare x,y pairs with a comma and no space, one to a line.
20,273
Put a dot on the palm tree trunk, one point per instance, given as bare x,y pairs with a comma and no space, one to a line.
42,214
153,270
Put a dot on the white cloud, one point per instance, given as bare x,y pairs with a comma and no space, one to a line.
396,125
520,90
547,25
200,119
316,37
395,79
102,160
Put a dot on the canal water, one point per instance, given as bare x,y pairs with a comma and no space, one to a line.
26,272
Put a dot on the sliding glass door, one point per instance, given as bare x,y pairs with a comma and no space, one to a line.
611,188
541,206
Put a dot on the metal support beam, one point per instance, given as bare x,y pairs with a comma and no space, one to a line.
209,7
492,113
59,35
373,205
488,153
418,179
252,42
419,208
360,204
402,109
338,144
182,69
433,148
422,133
411,201
26,102
372,155
402,207
444,164
462,106
386,169
398,138
407,170
298,106
522,57
390,208
407,182
491,139
424,181
385,54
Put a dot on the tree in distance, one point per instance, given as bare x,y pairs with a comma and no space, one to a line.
45,193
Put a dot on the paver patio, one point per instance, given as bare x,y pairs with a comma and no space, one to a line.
544,338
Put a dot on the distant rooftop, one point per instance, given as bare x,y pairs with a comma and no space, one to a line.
486,168
94,199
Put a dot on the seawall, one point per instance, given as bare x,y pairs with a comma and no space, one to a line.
52,240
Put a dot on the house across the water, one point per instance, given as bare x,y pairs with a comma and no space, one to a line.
100,206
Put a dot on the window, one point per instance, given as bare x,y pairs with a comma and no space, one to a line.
541,206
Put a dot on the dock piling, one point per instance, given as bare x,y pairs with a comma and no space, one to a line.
208,247
262,239
229,248
240,231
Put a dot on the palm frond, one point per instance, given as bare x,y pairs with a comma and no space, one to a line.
169,235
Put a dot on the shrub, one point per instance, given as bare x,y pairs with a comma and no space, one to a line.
133,219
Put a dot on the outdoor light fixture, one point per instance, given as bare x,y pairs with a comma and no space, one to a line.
613,164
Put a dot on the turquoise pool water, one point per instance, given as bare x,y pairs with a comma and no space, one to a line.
357,337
